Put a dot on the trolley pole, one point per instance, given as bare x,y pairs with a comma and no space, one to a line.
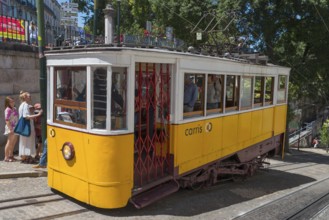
43,68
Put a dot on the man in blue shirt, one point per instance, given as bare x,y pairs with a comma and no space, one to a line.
190,93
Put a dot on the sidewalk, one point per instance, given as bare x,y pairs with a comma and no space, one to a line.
17,169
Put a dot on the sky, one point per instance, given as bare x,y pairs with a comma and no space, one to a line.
80,19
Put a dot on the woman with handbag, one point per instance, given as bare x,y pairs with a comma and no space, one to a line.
27,143
11,118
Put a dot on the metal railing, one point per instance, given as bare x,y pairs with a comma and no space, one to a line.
151,41
302,132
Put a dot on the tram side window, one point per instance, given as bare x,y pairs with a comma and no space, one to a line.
246,92
259,91
99,103
214,93
269,88
119,98
282,88
70,96
194,86
232,92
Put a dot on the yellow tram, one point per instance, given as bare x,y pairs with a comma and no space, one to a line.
120,127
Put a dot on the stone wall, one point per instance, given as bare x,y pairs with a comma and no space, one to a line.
19,71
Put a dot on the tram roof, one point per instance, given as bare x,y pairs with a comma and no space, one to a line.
251,58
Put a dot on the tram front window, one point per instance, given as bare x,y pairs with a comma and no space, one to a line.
100,80
99,103
118,98
70,102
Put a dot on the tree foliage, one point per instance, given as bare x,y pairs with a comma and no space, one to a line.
291,33
324,134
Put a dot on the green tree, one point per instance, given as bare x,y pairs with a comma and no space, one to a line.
291,33
324,134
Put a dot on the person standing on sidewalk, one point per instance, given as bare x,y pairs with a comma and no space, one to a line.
27,144
315,142
11,118
37,129
43,159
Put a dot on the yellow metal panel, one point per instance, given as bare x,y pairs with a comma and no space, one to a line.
280,117
244,127
102,165
190,141
191,151
114,196
268,120
228,135
230,131
75,188
213,135
256,125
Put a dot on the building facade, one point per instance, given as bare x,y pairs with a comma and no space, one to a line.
27,10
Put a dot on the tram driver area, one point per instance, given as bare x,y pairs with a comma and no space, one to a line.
72,97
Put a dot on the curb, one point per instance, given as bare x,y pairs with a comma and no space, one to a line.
40,173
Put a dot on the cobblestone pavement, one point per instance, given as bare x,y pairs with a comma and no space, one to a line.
223,201
18,169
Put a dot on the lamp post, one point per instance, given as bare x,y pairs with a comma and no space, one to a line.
118,15
43,67
95,20
48,27
108,14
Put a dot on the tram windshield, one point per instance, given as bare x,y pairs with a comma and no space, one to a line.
70,102
107,97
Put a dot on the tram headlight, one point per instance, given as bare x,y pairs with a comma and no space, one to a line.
68,151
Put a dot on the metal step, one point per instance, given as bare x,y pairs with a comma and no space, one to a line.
148,197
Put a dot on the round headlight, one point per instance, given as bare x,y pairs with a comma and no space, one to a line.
68,151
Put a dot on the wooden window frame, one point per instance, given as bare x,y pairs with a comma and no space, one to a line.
71,104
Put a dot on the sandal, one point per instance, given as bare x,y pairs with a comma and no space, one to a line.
30,160
13,158
8,160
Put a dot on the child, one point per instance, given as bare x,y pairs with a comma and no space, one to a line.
37,128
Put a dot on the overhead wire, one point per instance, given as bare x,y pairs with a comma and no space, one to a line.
321,17
291,65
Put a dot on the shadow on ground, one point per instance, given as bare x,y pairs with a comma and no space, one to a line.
187,203
190,203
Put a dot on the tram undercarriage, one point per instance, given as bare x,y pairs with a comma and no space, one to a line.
234,167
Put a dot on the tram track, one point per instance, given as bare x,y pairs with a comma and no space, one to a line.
54,206
311,210
29,200
307,165
65,214
303,203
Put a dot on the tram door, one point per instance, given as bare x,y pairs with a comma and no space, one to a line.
152,109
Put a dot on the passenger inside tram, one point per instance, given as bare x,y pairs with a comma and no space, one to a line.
190,93
213,92
117,100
